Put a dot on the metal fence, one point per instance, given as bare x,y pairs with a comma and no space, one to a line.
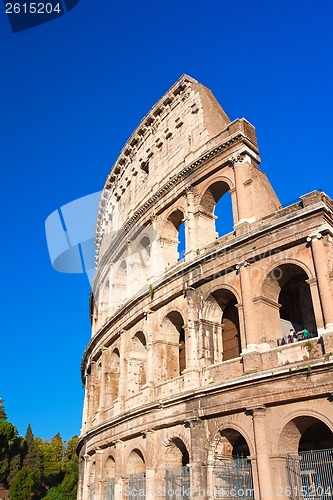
177,483
110,489
137,486
232,478
310,475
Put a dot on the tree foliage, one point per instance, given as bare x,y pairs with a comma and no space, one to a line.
10,450
35,469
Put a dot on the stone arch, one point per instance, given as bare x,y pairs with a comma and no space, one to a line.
228,455
110,466
136,363
220,323
262,287
207,210
112,377
92,473
96,376
170,236
119,282
286,299
305,432
140,262
104,297
135,463
177,454
173,330
229,439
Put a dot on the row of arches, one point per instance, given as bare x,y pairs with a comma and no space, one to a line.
155,248
230,464
219,331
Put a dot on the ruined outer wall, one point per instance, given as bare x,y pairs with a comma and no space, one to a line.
156,371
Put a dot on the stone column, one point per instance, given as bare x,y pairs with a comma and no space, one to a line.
197,458
121,479
241,320
244,202
103,382
99,493
320,258
86,477
250,333
150,333
279,474
157,261
313,284
122,391
92,391
150,466
85,413
82,475
192,371
261,446
191,229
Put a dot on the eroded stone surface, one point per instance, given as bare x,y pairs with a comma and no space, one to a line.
186,366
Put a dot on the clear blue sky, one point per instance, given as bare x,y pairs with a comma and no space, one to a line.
73,90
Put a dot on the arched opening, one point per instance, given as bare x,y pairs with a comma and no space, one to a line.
305,433
181,248
112,378
96,381
110,468
119,283
224,222
137,356
140,268
177,472
136,470
105,300
230,444
215,213
316,437
175,344
173,238
308,443
92,477
221,326
287,287
232,469
296,303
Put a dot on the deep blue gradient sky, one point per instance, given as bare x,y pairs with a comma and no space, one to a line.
73,90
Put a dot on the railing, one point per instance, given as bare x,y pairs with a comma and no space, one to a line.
137,486
310,475
110,489
177,483
232,478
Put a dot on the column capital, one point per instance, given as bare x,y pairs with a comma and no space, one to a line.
257,410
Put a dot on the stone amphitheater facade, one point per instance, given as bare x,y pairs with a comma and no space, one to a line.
189,392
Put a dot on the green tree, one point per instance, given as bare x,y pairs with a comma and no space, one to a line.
52,454
27,483
67,490
8,449
23,485
3,415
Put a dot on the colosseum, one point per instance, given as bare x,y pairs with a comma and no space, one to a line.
209,370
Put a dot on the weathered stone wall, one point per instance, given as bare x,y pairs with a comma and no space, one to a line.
185,366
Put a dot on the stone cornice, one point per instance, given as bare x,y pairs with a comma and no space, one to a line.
241,382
